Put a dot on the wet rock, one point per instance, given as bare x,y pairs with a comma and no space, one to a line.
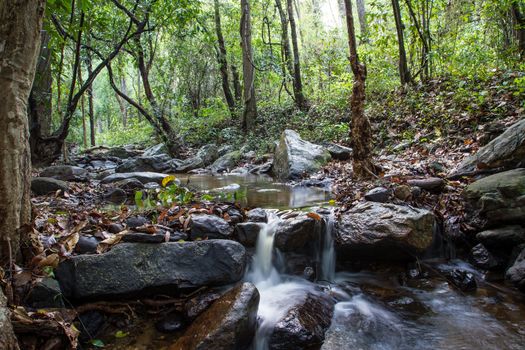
198,304
506,151
339,152
378,194
204,157
462,279
429,184
143,177
304,325
403,192
309,273
86,245
498,199
226,162
121,152
131,184
45,294
116,195
136,269
506,237
257,215
263,168
139,237
229,324
151,185
44,185
171,323
101,175
247,233
65,173
210,226
295,157
516,273
178,236
136,221
158,163
482,258
115,228
376,231
295,234
155,150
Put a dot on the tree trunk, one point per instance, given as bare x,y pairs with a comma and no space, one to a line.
83,110
91,110
361,13
122,103
223,63
236,83
20,25
297,80
8,339
40,97
361,131
249,114
404,73
285,42
518,19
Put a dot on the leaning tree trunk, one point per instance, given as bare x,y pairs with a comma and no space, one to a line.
361,131
404,73
223,62
250,108
20,25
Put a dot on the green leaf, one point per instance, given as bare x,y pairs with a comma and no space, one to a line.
97,343
121,334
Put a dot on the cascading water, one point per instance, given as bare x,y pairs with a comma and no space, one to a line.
327,272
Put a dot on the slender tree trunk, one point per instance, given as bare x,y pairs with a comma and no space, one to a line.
91,110
249,114
236,83
20,25
518,19
404,73
40,97
223,63
122,103
361,131
285,43
83,109
361,14
297,80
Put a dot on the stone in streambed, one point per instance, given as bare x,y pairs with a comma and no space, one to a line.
143,177
378,194
257,215
44,185
429,184
506,237
294,234
65,173
247,233
135,269
516,273
229,324
211,226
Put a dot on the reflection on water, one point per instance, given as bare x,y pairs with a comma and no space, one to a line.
261,190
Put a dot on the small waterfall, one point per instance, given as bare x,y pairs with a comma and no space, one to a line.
327,272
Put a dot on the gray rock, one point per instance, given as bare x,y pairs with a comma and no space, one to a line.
295,157
116,195
131,184
86,245
157,163
45,294
516,273
403,192
7,336
102,164
263,168
257,215
136,221
429,184
45,185
208,153
136,269
304,325
482,258
65,173
294,234
375,231
229,324
210,226
143,177
247,233
378,194
339,152
139,237
498,199
226,162
155,150
506,237
225,149
506,151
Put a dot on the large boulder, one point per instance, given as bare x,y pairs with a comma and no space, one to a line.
295,157
505,238
44,185
516,273
339,152
205,156
294,234
380,231
142,176
507,151
210,226
229,323
156,163
65,173
226,162
135,269
498,199
304,325
155,150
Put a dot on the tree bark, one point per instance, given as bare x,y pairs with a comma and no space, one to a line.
249,114
404,73
236,83
361,131
8,339
122,103
20,25
361,14
518,19
285,42
91,110
223,62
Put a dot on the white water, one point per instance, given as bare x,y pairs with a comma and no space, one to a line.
328,253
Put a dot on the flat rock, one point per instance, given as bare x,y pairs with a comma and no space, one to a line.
376,231
155,150
137,269
228,324
339,152
257,215
156,163
506,237
295,157
246,233
294,234
45,185
429,184
226,162
210,226
143,177
65,173
378,194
